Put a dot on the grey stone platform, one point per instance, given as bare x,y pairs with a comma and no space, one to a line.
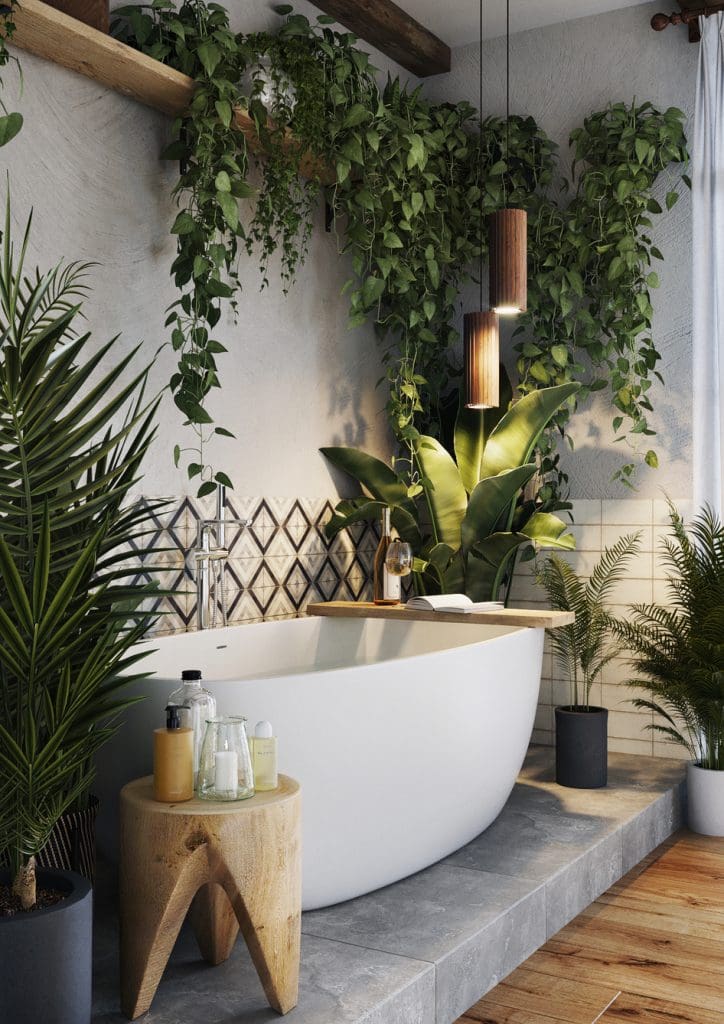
425,949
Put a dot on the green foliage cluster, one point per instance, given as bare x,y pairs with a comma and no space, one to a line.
466,520
584,648
678,649
10,122
69,612
410,183
590,278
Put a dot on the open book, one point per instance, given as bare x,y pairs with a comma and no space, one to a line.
452,603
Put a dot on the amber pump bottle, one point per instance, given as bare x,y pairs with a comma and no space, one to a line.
173,760
386,586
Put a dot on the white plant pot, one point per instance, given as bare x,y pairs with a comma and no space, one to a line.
705,790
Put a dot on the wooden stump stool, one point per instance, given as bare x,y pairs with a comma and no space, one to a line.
237,865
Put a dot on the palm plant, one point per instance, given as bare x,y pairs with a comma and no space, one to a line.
583,648
463,516
71,443
678,650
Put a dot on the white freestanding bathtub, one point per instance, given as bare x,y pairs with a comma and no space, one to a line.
406,737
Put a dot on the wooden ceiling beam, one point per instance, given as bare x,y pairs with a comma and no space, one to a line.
388,28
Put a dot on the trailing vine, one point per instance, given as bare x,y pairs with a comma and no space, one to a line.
406,179
10,122
590,276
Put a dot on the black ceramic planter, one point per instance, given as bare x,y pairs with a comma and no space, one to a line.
582,747
45,956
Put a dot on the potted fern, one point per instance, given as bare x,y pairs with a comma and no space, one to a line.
69,614
582,649
678,655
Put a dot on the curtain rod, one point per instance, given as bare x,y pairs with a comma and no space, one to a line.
661,21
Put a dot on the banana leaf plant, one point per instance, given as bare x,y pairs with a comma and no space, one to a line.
72,439
464,516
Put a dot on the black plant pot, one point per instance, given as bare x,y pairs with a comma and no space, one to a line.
45,956
72,843
582,747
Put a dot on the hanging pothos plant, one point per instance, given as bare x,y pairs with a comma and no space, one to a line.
590,279
406,179
10,121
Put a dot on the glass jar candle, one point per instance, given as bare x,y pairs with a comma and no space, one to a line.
225,768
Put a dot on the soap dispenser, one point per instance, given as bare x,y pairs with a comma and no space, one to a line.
198,707
264,747
173,760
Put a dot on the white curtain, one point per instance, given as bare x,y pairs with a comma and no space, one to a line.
708,278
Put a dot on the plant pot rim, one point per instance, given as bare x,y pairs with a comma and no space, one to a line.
709,771
75,885
580,709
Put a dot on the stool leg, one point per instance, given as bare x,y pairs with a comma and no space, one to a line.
268,908
154,901
214,923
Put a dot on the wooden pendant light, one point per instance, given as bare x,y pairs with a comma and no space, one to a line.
508,275
482,360
481,336
508,231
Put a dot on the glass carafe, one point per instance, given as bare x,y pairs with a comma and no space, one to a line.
225,768
198,706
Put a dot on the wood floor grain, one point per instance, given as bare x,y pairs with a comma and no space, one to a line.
648,951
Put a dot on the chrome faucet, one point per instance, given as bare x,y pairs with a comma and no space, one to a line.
210,557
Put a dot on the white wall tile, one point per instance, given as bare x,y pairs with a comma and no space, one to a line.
627,511
586,511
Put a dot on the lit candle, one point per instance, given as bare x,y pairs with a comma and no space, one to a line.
227,763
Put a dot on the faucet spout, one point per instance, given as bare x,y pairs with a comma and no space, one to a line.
210,557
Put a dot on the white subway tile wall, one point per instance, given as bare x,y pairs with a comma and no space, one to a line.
597,525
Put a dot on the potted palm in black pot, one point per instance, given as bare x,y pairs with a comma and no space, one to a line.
678,655
70,452
583,649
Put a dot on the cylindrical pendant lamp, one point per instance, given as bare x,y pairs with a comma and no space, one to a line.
482,360
508,274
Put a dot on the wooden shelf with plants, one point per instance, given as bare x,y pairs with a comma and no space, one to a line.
49,33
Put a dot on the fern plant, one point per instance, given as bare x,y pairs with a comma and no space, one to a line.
583,648
70,452
678,649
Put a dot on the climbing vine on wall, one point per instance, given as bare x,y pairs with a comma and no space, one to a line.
406,179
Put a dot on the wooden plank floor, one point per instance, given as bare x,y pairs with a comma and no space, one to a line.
649,951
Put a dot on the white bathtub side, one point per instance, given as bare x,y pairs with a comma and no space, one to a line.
401,762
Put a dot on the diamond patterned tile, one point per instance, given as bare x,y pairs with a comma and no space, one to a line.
276,567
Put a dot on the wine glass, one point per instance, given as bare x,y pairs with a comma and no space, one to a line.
398,560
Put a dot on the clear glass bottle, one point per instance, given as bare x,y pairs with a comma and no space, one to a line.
197,706
225,769
387,588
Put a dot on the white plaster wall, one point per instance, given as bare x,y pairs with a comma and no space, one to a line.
295,377
559,74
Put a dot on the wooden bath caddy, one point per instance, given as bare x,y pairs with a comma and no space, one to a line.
530,617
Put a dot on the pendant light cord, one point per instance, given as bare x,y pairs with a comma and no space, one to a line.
480,157
507,92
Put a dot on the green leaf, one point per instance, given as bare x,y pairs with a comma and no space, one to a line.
223,182
514,439
548,531
560,354
672,199
10,125
209,55
446,495
652,459
377,478
223,109
492,498
229,208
